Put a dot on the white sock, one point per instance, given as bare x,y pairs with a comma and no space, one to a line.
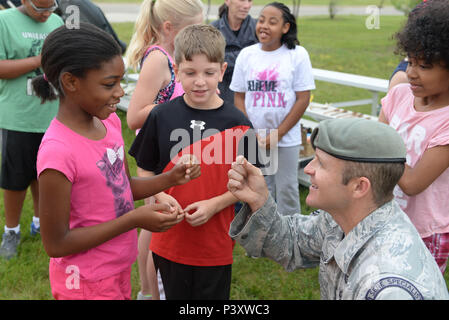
36,222
15,229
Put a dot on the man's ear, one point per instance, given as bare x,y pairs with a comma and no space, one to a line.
361,187
69,82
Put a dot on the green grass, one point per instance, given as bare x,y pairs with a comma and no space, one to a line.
343,44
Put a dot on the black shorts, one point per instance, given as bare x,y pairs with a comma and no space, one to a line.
184,282
19,155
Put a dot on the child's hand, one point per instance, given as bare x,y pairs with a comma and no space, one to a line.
269,140
157,217
163,197
203,211
186,169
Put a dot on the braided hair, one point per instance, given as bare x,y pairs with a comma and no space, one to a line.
290,39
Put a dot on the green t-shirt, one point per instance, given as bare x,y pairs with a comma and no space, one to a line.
22,37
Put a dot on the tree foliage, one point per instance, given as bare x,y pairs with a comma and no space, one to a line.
405,5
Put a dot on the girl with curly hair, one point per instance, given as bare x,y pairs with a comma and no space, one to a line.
419,111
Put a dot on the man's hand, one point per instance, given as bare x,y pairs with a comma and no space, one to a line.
247,183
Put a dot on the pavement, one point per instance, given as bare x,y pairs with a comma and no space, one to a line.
121,12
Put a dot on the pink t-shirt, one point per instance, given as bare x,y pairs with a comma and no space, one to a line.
100,192
427,210
174,88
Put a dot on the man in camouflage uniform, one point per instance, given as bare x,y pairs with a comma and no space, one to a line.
365,245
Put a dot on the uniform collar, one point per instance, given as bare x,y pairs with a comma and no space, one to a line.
360,234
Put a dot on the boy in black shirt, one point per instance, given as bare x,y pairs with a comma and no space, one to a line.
195,256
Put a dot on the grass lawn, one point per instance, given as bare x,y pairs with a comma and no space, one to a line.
343,44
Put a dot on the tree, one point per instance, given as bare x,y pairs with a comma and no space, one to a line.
296,5
405,5
332,8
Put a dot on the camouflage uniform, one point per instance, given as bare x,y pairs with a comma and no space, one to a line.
383,257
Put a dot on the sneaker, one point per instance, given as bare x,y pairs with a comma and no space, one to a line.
141,296
34,230
252,257
10,242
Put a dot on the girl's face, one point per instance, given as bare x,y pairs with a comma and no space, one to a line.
270,28
427,80
100,90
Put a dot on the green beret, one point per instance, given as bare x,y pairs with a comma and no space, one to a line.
359,140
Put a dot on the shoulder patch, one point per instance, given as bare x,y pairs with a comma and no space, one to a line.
388,282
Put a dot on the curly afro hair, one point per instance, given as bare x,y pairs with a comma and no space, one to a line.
426,34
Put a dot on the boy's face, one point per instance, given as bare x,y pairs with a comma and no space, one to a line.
327,190
200,79
39,10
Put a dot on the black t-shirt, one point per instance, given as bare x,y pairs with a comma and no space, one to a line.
213,135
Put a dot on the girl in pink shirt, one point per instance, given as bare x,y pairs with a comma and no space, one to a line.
88,219
151,50
419,111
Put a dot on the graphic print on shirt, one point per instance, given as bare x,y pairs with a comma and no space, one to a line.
413,138
112,167
197,124
264,89
35,50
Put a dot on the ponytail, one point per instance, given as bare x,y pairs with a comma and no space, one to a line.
145,34
152,15
75,51
222,10
44,89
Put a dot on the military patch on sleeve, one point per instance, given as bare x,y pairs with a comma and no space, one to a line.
389,282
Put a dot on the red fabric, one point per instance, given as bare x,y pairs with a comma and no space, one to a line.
438,244
208,244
